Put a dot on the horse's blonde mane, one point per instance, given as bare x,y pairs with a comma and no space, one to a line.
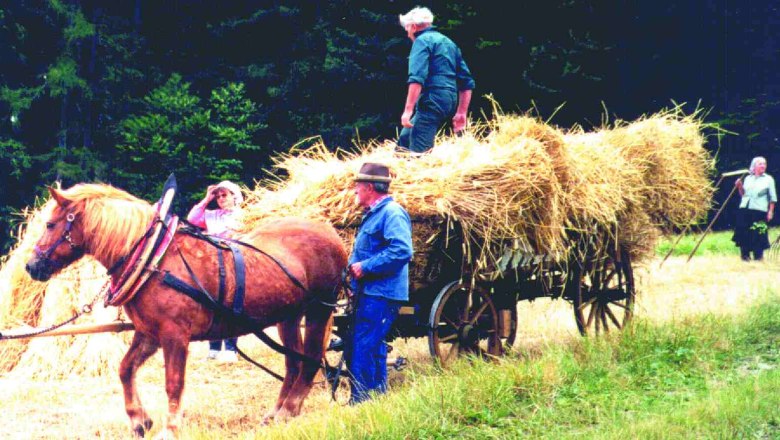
112,219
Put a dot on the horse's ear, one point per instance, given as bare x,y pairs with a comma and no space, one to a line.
58,197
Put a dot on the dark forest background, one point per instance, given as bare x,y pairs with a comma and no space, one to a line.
127,91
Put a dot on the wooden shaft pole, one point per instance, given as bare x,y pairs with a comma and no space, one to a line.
69,330
717,214
717,185
676,242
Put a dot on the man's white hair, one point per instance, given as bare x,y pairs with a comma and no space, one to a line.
417,15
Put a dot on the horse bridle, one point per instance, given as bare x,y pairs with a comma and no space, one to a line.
65,237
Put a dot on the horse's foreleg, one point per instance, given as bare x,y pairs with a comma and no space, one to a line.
175,345
141,348
290,334
318,326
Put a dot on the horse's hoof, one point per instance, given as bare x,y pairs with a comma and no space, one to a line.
141,430
284,415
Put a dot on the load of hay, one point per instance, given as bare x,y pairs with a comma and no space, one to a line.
516,184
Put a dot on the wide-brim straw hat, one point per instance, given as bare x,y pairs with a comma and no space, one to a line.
233,188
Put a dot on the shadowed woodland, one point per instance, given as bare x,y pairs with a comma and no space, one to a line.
127,92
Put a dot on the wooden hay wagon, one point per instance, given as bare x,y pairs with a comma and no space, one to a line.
463,310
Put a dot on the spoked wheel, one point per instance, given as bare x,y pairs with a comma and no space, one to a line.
463,321
605,294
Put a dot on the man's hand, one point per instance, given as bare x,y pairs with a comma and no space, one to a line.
769,216
412,95
738,183
406,119
356,270
459,122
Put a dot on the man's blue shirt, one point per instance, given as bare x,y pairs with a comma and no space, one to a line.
436,62
383,246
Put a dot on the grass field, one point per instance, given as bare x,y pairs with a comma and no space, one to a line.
715,243
700,361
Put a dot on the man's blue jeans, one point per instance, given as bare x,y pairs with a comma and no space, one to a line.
367,357
433,110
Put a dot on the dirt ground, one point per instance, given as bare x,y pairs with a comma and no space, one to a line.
231,398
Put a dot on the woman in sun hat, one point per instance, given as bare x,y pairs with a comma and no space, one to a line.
221,222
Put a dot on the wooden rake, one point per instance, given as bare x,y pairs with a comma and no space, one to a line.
739,173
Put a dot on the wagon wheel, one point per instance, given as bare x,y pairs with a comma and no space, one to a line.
605,294
463,321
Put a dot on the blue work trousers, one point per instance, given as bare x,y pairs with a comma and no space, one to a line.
433,110
367,360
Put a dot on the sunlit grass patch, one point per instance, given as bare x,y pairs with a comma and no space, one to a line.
644,383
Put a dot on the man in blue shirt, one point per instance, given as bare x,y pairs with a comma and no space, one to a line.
379,266
440,83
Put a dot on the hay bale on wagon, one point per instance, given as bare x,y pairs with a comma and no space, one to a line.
655,172
516,183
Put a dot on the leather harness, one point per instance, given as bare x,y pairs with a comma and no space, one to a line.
235,313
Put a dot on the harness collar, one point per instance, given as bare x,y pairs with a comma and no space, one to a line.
125,286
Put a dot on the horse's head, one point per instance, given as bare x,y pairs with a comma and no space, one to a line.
91,218
62,242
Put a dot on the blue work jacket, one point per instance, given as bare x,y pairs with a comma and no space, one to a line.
383,247
436,63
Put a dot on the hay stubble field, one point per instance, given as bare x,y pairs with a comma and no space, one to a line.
229,400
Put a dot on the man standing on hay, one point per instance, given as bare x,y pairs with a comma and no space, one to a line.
379,266
440,83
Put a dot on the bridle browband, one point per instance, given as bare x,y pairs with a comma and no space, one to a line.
65,237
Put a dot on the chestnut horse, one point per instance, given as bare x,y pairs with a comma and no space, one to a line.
105,222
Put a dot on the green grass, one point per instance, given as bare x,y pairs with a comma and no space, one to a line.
709,377
715,243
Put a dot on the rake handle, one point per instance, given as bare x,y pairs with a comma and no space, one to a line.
717,214
676,242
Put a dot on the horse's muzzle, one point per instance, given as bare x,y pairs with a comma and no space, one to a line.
39,269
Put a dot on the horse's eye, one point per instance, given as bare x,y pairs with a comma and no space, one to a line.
50,226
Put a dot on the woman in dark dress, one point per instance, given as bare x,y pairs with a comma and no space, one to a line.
756,210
